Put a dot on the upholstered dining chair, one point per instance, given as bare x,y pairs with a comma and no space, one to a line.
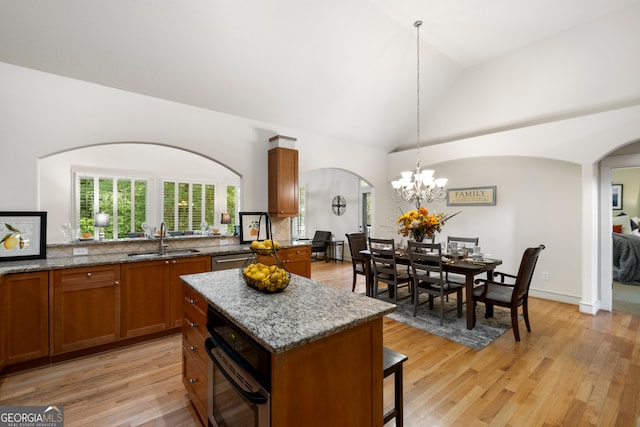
510,295
429,277
384,268
357,243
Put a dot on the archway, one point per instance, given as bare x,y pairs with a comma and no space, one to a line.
55,186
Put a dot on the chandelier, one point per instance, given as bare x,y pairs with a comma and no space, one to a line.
418,186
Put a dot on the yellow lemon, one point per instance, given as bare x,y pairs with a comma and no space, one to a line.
10,242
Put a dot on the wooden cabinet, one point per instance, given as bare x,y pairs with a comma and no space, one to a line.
24,317
296,259
283,182
346,366
194,356
86,309
181,267
145,297
152,293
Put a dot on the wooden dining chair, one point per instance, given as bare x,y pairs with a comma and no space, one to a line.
384,268
357,243
467,241
510,295
429,277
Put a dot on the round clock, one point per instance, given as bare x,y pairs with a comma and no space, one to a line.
338,204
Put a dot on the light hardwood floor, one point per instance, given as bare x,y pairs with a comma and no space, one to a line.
572,370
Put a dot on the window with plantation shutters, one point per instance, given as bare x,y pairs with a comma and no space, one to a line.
131,200
187,205
123,198
299,222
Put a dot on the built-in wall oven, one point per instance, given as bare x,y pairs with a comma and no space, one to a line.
239,376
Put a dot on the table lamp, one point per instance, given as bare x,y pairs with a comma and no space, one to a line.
225,218
101,220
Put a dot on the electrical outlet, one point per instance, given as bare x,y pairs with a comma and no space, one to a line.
80,251
224,242
546,276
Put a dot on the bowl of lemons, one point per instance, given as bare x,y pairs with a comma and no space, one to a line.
269,279
265,247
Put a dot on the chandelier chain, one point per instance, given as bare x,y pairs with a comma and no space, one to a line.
417,24
418,186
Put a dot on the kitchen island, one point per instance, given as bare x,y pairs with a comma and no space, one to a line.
325,344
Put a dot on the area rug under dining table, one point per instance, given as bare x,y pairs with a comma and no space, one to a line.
454,328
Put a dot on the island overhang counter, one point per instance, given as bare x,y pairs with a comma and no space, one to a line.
325,343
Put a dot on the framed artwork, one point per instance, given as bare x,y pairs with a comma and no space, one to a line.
472,196
24,235
253,226
616,196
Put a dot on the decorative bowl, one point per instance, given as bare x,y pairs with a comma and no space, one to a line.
265,251
274,283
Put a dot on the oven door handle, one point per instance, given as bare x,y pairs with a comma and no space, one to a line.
253,397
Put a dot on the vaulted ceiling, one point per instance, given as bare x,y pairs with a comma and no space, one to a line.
342,68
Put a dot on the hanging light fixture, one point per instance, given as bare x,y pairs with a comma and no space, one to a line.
419,186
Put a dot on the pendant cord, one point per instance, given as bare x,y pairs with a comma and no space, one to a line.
417,24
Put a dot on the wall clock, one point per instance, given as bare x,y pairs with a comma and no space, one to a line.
338,204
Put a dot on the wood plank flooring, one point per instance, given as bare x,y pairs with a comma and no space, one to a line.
572,370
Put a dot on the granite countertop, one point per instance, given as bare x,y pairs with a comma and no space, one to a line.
305,311
10,267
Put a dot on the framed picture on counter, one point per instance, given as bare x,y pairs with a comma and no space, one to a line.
253,226
24,236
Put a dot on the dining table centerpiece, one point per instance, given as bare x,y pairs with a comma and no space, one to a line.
419,224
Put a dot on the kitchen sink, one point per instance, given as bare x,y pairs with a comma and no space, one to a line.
155,254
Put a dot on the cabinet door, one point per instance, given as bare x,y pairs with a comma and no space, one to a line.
24,328
86,307
299,261
296,260
179,267
283,182
145,297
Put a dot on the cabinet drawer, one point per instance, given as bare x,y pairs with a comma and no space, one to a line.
193,344
196,300
298,254
195,381
194,319
86,275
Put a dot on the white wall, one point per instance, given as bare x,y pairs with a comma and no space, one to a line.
322,185
42,114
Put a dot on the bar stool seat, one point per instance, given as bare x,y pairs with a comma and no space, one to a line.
392,364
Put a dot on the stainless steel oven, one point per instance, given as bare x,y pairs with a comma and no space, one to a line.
239,376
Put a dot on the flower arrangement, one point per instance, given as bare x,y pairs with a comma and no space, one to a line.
419,223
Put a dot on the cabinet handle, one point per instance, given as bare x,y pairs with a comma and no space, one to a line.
193,301
166,262
116,283
193,380
89,275
193,348
173,261
193,324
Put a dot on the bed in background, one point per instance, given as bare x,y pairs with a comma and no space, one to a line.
626,249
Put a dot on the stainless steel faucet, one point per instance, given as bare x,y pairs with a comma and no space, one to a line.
163,230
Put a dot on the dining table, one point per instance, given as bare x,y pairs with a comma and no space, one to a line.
463,266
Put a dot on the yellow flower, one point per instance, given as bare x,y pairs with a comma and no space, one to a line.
420,224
